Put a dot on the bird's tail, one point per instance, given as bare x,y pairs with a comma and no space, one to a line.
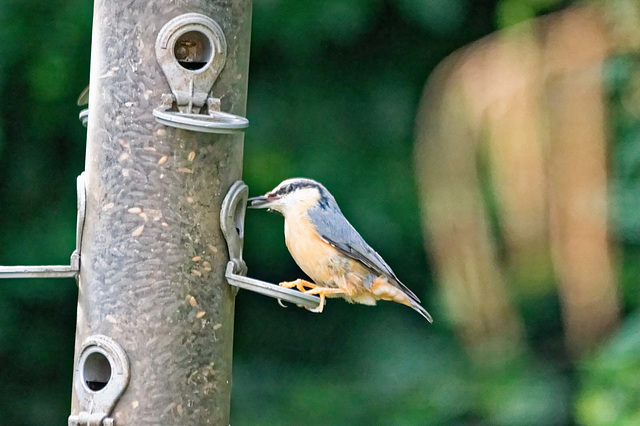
383,289
422,311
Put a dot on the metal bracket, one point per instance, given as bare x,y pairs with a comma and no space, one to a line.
192,50
56,271
213,122
232,224
100,378
84,117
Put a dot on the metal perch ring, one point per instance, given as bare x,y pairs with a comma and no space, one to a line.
214,122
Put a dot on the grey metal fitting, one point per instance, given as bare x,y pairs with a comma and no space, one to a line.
57,271
192,51
232,215
100,378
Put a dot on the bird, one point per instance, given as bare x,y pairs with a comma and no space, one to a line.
329,249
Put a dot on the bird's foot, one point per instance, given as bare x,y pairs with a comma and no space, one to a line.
300,284
322,292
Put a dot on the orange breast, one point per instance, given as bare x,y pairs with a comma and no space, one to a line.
311,253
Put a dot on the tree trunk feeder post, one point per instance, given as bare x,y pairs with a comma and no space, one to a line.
155,313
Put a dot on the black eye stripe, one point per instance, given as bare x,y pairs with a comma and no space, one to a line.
294,186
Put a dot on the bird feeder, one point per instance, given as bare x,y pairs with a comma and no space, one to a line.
164,145
160,226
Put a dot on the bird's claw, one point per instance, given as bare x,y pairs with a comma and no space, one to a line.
317,310
281,303
300,284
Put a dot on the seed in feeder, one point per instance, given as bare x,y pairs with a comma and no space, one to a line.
107,207
162,160
138,231
206,266
185,170
165,225
200,314
190,200
135,210
196,258
218,326
196,273
192,300
192,156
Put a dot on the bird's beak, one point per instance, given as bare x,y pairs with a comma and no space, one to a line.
261,202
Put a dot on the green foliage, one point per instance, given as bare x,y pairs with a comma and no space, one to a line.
511,12
280,23
623,82
397,375
438,16
610,388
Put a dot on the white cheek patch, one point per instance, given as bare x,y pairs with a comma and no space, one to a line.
298,202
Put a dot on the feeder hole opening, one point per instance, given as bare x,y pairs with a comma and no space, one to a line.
193,50
96,371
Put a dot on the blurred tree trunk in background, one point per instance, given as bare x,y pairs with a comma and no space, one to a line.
512,166
577,161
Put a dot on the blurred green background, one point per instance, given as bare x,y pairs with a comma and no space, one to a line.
333,94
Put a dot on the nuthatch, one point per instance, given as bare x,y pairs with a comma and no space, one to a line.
329,250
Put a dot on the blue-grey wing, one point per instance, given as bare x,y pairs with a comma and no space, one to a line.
336,230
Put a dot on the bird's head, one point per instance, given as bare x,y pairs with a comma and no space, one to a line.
297,194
